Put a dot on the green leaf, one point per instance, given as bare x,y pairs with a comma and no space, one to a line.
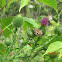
60,55
23,3
31,21
2,49
54,47
2,2
61,0
52,3
25,26
5,22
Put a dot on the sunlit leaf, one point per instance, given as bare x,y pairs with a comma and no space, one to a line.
60,53
5,22
52,3
23,3
54,47
2,2
25,26
31,21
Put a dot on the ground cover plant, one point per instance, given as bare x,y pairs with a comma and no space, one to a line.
30,30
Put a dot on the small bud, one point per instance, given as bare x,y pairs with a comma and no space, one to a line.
18,21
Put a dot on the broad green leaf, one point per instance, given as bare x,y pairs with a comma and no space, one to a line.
61,0
2,48
52,3
60,55
2,2
31,21
4,23
54,47
23,3
25,26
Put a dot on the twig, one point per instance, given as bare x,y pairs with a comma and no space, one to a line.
4,5
6,27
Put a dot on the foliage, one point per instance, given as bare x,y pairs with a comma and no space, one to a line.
40,36
23,3
5,22
52,3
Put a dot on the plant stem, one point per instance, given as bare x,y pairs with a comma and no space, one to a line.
59,16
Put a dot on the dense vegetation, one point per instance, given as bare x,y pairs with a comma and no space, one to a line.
30,30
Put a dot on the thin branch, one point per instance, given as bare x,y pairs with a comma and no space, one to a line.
6,27
4,5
